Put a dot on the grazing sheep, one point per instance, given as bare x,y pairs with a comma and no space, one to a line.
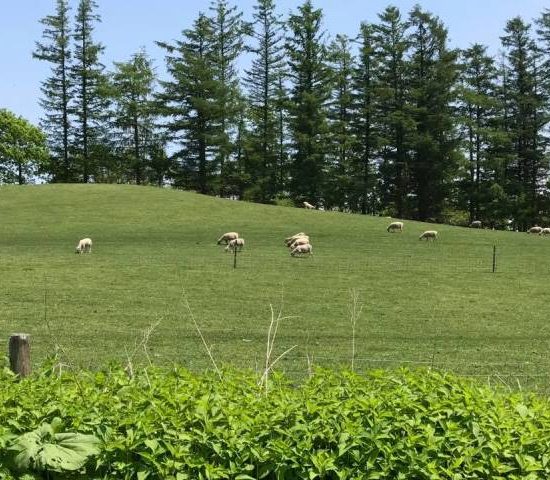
395,227
308,206
535,229
429,235
475,224
236,243
545,231
289,240
85,245
300,249
299,241
227,237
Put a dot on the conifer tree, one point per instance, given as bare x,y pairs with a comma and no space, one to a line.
433,73
341,137
228,32
189,103
524,103
262,81
309,92
89,92
133,85
55,49
393,107
365,124
478,110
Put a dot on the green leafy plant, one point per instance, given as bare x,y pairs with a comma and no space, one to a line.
46,449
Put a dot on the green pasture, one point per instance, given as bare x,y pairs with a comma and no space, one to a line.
434,304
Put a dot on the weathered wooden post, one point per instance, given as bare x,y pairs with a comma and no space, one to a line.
494,258
20,354
235,256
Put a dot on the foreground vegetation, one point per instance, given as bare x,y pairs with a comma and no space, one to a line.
434,304
171,424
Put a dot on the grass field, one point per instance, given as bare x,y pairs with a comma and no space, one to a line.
433,304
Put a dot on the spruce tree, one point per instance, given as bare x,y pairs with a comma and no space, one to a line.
262,81
433,73
89,91
477,110
341,138
133,83
228,31
189,103
365,124
393,108
56,90
524,103
309,92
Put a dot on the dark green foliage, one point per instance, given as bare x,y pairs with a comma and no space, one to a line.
134,114
432,76
165,424
228,31
309,92
56,91
263,80
89,93
189,103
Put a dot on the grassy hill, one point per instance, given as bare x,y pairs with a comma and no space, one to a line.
433,304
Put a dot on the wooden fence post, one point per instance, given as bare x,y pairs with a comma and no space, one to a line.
494,258
235,257
20,354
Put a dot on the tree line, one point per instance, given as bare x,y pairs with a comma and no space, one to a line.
391,121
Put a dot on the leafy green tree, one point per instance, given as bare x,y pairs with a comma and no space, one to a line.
228,31
262,81
56,90
432,77
22,148
90,91
309,92
393,107
365,124
189,104
134,114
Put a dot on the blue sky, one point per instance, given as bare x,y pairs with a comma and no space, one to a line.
128,25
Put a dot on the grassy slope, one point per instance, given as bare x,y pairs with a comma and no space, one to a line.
427,303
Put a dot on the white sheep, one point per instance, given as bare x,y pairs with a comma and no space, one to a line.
300,249
545,231
429,235
395,227
236,243
299,241
308,206
227,237
289,240
85,245
475,224
535,229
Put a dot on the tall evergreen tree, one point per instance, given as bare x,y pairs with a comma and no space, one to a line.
341,137
478,111
309,93
56,91
133,83
397,127
526,120
228,32
189,102
365,124
262,81
89,90
433,73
